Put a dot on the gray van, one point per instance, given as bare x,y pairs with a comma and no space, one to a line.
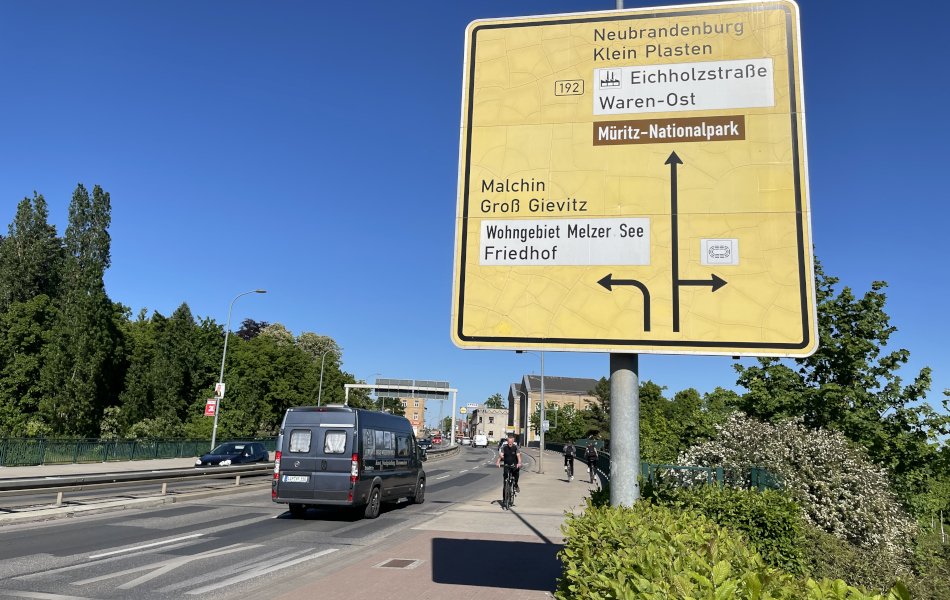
336,456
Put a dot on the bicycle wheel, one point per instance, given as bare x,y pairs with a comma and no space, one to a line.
506,502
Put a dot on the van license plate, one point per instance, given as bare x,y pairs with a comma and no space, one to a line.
296,479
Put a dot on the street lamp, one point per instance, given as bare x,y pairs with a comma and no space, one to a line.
541,449
320,389
227,332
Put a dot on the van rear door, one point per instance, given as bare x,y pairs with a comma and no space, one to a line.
298,457
334,453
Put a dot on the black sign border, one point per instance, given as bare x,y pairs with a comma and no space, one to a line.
796,167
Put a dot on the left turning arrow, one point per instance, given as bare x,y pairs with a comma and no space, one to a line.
608,282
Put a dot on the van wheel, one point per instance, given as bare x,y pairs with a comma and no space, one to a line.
372,507
298,511
420,495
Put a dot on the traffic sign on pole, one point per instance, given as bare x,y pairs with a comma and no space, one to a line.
636,181
462,410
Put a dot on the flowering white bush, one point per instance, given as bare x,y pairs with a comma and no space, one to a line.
839,489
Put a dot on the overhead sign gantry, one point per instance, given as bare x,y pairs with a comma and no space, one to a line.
635,181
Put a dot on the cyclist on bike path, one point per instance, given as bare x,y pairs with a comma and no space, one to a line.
590,454
570,451
511,455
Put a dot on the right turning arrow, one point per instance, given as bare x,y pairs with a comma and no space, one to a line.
715,282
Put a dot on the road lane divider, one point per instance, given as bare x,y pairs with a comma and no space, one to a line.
142,547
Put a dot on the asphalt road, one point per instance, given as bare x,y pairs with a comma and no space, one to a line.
132,490
226,546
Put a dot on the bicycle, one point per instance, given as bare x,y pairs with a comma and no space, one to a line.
508,497
592,469
569,467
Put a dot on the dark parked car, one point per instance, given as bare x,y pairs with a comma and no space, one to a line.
234,453
424,443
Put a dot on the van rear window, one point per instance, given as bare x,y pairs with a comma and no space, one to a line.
334,442
300,440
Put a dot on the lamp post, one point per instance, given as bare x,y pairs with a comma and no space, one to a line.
227,332
320,389
541,448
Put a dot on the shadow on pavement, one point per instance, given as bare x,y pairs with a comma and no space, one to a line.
529,566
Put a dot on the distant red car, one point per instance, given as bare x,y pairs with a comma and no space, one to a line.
437,439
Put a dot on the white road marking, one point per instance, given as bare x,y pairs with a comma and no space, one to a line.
259,572
246,565
106,560
164,566
186,537
465,471
19,594
443,477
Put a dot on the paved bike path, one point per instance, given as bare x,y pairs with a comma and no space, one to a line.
459,553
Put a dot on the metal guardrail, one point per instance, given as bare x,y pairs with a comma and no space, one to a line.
753,477
20,452
439,454
43,485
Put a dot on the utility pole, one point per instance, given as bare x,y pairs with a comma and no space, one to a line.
541,423
227,332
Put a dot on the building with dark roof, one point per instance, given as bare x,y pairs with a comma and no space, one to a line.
560,391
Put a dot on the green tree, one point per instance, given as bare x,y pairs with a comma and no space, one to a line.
851,385
392,405
495,401
597,418
173,370
78,376
24,334
31,256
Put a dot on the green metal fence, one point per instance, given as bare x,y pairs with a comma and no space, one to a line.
17,452
752,477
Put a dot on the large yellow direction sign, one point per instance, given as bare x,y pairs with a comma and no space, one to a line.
635,181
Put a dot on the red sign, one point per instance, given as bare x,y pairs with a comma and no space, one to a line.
210,406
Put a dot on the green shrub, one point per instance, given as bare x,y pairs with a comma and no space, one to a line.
769,519
656,552
930,579
827,556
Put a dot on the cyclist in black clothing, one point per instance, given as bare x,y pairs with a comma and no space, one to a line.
570,451
511,455
590,454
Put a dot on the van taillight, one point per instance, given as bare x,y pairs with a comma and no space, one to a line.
355,467
277,465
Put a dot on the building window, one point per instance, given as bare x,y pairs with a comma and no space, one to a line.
491,419
537,406
491,434
404,404
417,404
479,419
415,416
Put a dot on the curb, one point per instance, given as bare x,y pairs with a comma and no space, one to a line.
69,512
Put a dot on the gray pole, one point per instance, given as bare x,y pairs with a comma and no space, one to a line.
624,429
227,331
452,437
320,392
541,450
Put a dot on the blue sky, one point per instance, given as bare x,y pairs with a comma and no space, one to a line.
241,151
